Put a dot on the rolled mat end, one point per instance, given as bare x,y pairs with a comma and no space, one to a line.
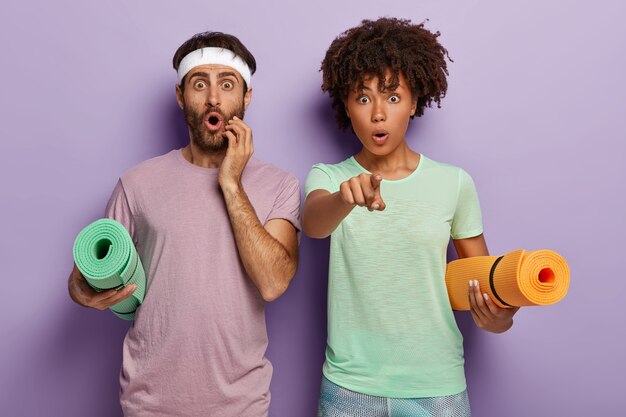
517,279
106,256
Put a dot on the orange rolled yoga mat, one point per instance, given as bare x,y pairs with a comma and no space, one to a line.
516,279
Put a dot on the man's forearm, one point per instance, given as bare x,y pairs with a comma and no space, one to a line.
266,260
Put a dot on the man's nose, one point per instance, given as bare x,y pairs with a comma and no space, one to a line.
213,97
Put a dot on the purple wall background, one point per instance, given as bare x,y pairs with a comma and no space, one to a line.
535,112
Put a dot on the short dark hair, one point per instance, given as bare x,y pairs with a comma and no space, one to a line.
372,48
215,40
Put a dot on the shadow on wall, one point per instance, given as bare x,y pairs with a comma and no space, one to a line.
344,142
86,352
296,325
173,131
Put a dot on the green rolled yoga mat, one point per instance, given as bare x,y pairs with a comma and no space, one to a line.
106,256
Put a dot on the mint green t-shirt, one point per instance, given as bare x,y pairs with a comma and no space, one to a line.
391,330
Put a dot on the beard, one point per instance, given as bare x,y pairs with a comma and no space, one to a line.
207,141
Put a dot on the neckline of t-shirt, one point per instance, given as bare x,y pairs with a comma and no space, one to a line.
407,178
192,167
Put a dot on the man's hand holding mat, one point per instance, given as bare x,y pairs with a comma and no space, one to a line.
106,260
82,293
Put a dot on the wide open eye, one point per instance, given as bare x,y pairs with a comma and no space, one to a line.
200,84
228,85
363,99
394,98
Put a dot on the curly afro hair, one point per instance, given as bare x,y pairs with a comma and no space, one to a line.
372,48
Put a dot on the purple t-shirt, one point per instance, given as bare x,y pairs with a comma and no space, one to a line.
197,345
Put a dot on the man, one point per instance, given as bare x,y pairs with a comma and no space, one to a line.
216,231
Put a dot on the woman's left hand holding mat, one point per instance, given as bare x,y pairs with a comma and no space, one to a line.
486,314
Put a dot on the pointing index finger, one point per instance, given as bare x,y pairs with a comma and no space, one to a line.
376,179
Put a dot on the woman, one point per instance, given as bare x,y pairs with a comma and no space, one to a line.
393,344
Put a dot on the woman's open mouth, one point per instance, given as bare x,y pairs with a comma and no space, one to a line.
380,137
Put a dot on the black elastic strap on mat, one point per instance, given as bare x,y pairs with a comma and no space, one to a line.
493,288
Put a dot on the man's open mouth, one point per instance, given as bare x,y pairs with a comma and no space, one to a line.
213,121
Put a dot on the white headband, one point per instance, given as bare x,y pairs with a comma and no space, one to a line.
218,56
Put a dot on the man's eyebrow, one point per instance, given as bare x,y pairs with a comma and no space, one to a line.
199,74
227,74
220,75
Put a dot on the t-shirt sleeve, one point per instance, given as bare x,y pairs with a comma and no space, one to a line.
118,209
287,203
319,179
467,221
